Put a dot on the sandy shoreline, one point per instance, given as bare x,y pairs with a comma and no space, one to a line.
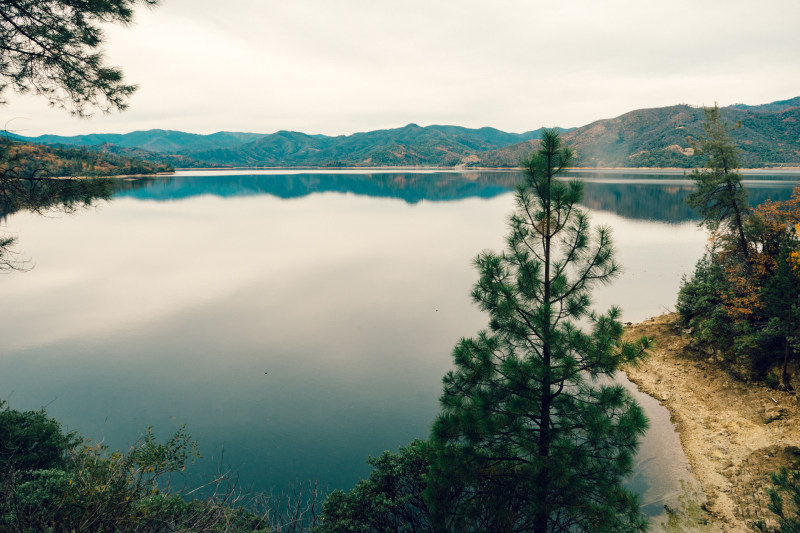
733,434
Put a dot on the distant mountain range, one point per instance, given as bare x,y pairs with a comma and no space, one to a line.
659,137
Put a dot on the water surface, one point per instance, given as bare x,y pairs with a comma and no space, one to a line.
298,322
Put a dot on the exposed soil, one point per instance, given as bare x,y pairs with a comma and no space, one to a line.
734,434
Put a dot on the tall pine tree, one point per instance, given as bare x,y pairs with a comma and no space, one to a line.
533,434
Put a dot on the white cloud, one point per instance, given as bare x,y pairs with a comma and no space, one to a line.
354,65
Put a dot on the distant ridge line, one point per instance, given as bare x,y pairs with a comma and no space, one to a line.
643,138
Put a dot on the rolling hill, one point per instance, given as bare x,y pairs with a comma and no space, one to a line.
159,141
410,145
661,137
658,137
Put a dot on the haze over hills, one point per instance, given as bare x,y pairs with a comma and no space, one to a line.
658,137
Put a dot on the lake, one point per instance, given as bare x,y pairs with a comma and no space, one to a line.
300,321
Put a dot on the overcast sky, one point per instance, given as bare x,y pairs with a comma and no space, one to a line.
338,67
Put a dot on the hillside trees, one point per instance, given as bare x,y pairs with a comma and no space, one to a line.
23,188
532,435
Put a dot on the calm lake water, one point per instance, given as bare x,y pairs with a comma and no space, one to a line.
298,322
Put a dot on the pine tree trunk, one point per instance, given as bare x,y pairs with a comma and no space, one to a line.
737,213
541,516
737,220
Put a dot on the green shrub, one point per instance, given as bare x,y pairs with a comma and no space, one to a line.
390,500
52,481
30,440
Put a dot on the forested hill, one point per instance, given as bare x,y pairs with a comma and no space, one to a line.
659,137
769,136
26,159
160,141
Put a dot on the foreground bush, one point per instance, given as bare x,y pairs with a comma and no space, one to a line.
389,501
52,481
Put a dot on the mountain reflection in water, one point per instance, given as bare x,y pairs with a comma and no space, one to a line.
169,303
635,196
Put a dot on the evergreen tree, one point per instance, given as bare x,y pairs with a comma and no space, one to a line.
533,434
777,258
720,196
781,296
54,49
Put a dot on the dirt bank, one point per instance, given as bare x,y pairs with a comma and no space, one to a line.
734,434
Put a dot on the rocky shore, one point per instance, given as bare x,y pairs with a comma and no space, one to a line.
734,434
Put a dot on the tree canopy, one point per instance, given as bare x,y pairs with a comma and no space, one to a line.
53,48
